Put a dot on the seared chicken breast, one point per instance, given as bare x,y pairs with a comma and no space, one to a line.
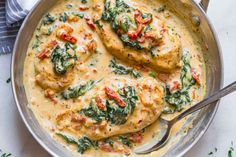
117,106
134,35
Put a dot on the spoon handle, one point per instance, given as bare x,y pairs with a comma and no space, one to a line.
208,101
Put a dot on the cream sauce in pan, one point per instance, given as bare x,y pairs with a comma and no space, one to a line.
98,74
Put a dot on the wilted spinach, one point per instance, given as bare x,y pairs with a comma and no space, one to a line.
83,143
48,19
125,141
114,113
181,97
122,70
119,10
79,90
62,60
63,17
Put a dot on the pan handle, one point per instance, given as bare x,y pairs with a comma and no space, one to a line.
204,4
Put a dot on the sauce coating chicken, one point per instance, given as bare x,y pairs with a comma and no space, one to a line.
130,105
130,34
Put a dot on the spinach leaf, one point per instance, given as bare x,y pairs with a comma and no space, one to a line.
98,23
6,155
122,70
162,8
83,143
36,43
48,19
120,17
63,17
118,115
94,112
79,90
181,97
132,43
114,113
178,98
125,141
84,1
62,60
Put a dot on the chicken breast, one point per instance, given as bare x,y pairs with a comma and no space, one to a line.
47,79
129,36
118,106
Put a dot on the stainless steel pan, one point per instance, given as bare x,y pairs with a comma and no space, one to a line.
192,11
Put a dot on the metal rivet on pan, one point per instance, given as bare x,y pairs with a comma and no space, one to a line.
196,20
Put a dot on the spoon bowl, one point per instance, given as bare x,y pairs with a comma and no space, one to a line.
166,125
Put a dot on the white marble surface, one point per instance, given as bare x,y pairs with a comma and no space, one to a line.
15,138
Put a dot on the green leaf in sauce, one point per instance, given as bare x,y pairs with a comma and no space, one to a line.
36,43
122,70
125,141
79,90
63,17
94,112
48,19
122,21
162,8
98,23
62,60
83,143
153,74
181,97
114,113
84,1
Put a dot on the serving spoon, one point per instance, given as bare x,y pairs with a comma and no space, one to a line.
168,124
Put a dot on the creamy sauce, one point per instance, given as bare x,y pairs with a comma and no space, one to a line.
90,59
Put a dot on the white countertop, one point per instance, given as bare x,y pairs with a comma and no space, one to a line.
15,138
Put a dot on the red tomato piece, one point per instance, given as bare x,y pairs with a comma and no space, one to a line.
136,137
196,76
68,38
99,102
176,86
46,51
139,19
134,34
90,24
113,95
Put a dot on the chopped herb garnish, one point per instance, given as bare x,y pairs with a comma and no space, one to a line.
6,155
153,74
83,143
62,60
181,97
48,19
212,152
231,150
161,9
79,90
8,80
122,70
